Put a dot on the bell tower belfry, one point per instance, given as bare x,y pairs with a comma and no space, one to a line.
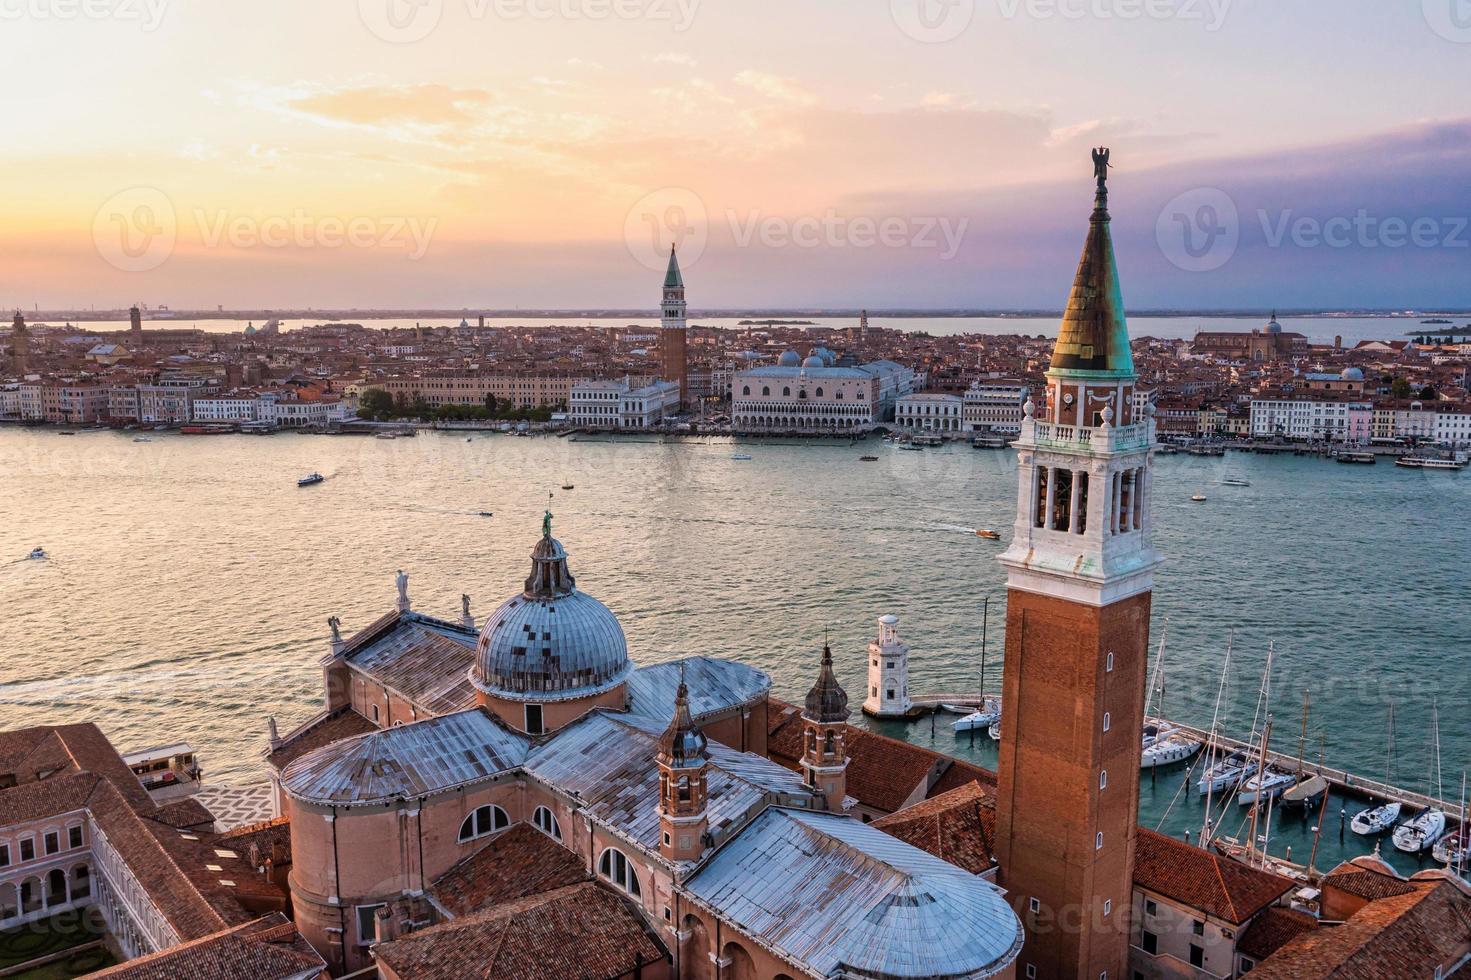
1079,571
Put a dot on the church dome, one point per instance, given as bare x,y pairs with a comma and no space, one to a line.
813,361
1272,325
551,642
1352,374
789,359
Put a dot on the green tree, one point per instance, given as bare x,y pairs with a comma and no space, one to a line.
1401,389
376,404
1428,393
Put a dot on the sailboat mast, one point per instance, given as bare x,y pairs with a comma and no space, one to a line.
1256,805
985,621
1210,781
1302,736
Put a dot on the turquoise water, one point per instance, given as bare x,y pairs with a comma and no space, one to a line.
191,580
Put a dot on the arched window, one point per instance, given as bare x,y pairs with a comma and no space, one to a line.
765,390
819,392
615,866
786,392
546,822
485,820
839,395
746,390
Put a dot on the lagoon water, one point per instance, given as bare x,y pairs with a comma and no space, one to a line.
190,579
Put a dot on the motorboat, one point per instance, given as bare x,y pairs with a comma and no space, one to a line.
486,513
1420,832
1376,820
910,448
1366,459
1235,481
1226,773
1429,463
37,553
1198,496
568,486
740,456
988,534
988,714
386,435
1165,745
141,439
995,732
310,479
1268,784
868,459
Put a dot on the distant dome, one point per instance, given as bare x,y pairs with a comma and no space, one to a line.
789,359
1272,325
827,357
1352,374
551,642
813,361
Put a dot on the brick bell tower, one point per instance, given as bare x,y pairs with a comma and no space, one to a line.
684,760
674,332
1079,573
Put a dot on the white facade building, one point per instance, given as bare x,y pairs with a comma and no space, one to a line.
888,672
1307,417
995,406
618,405
930,412
1452,426
235,406
813,395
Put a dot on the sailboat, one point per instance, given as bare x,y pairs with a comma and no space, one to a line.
989,713
1268,781
1224,772
1454,849
1161,743
1424,829
1311,787
1378,819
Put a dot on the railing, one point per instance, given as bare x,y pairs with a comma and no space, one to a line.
1110,439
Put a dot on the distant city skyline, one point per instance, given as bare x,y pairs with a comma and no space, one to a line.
535,156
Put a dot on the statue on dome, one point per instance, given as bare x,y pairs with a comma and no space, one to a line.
546,525
1100,165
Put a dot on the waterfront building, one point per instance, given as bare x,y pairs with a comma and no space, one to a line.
620,405
230,406
811,394
10,401
1268,344
513,389
995,406
448,763
888,672
929,412
674,332
1079,574
62,401
1316,416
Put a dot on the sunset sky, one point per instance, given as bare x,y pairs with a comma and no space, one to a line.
842,153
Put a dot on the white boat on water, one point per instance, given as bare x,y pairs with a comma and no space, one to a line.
1226,774
1235,481
988,714
995,732
37,553
1415,835
1454,849
1265,785
141,439
1376,820
1165,745
740,456
310,479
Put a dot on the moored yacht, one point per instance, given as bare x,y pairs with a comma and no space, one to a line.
1227,773
1415,835
1265,785
1164,745
1376,820
988,714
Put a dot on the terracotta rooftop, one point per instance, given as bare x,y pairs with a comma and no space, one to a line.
580,932
1367,877
883,773
958,826
1410,935
321,731
184,814
520,862
1218,886
269,948
1272,930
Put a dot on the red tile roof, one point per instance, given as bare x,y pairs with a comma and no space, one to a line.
581,932
1219,886
1271,930
1367,877
522,861
958,826
269,948
1407,935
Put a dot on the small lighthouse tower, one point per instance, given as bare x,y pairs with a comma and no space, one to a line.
888,672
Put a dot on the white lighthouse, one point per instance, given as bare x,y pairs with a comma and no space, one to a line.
888,672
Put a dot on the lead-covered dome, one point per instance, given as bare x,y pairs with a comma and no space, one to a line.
789,358
551,642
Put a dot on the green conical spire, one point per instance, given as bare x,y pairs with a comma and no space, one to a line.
1093,340
672,278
